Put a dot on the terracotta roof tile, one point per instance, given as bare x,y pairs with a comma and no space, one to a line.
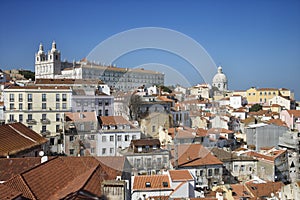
17,137
195,155
151,182
8,193
114,120
81,117
296,113
264,189
10,167
180,175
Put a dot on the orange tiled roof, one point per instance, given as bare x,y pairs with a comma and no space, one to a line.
240,191
17,137
180,175
296,113
8,193
10,167
277,122
113,120
156,182
264,189
218,130
195,155
61,176
201,132
81,117
1,103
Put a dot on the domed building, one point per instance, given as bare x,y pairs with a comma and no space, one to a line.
220,80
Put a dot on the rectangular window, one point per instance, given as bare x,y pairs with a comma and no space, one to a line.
111,138
133,137
29,106
100,112
106,112
44,97
44,128
57,106
103,151
20,106
126,137
216,172
44,116
20,118
11,106
119,137
11,97
103,138
235,168
71,138
209,172
29,97
71,151
64,97
44,106
57,128
29,117
64,106
11,118
20,97
111,151
57,97
242,168
57,117
106,102
100,103
92,150
92,137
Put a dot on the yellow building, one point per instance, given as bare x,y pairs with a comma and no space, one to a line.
263,95
38,107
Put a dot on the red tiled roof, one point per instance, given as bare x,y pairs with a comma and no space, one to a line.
8,193
16,138
82,116
277,122
195,155
1,103
296,113
201,132
114,120
62,176
10,167
264,189
180,175
156,182
218,130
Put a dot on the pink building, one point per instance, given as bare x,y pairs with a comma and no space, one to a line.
291,118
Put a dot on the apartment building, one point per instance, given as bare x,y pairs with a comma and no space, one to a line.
38,107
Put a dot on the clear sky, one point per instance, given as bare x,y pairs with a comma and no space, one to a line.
256,42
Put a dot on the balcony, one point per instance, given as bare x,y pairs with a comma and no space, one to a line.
45,133
11,121
45,121
31,121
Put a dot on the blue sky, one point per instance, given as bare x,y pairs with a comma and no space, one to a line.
256,42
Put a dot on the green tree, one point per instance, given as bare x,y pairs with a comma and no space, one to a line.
134,104
255,108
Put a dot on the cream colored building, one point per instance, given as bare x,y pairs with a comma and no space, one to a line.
38,107
263,95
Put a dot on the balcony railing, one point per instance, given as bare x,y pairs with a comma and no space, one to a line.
31,121
12,121
45,121
45,132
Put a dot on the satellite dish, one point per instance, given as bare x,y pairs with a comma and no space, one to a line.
41,153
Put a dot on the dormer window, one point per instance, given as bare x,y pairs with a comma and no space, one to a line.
148,184
165,184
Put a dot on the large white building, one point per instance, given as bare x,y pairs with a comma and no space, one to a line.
49,65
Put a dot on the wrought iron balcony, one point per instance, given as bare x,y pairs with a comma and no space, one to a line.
45,121
31,121
45,133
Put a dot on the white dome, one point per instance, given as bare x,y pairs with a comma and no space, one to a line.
220,80
220,77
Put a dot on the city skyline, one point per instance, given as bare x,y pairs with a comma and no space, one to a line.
256,42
